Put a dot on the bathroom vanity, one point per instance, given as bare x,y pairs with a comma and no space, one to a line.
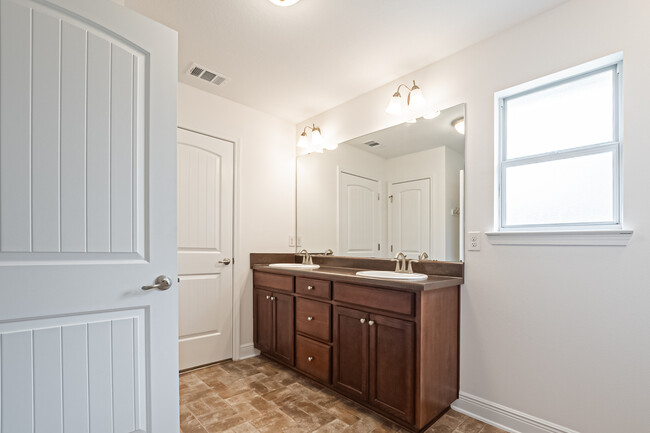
391,346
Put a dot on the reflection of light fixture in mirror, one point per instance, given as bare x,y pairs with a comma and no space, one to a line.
459,125
432,115
317,143
414,100
284,2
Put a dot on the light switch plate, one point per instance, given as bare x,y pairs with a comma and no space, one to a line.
292,241
473,241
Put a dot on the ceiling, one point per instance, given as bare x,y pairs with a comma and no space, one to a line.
407,138
296,62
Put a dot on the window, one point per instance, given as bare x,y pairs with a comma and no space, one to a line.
559,153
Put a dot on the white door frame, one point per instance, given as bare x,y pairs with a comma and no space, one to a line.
236,303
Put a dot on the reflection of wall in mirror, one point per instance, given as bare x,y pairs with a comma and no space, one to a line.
317,193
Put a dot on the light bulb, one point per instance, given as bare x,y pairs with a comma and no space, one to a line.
395,104
416,98
459,125
284,3
432,115
303,141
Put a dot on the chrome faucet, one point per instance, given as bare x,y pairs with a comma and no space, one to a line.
400,262
306,257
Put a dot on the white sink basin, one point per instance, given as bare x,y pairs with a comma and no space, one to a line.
393,275
293,266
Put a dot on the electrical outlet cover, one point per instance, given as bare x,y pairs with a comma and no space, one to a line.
473,241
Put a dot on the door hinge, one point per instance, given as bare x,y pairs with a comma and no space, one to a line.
390,197
378,247
378,196
391,248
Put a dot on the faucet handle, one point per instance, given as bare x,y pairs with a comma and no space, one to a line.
423,256
410,270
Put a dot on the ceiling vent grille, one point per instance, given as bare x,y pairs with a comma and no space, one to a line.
371,143
206,75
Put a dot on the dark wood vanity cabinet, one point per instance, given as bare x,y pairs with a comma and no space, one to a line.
392,350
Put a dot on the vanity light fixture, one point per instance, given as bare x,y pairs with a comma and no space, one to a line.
284,3
414,100
459,125
317,143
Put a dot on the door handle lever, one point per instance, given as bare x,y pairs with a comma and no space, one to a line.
224,261
163,282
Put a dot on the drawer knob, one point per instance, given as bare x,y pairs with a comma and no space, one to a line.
310,358
310,318
272,298
371,322
310,287
268,297
362,320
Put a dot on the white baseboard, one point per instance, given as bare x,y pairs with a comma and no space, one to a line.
504,417
247,351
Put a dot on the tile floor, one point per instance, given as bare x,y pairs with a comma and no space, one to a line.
259,395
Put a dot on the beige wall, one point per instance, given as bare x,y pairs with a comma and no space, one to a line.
264,178
559,333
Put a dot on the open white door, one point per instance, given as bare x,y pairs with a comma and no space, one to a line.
87,217
205,217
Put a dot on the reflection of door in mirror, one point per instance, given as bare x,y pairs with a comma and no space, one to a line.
358,216
409,213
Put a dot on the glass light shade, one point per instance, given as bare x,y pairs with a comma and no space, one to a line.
432,115
459,126
303,141
316,138
395,105
284,3
330,146
417,98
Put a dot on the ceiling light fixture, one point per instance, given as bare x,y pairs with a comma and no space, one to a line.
415,99
317,143
284,3
459,125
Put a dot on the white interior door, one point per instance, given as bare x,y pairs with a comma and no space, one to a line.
410,217
87,217
359,218
205,226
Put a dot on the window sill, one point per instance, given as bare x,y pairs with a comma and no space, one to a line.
593,238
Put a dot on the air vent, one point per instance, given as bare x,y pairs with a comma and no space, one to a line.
371,143
206,75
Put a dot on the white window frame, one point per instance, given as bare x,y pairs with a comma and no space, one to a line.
611,63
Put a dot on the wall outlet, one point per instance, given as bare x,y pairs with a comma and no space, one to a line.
474,241
292,241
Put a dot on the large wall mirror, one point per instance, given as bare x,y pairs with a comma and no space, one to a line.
397,189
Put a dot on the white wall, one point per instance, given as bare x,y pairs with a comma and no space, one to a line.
265,181
454,163
560,333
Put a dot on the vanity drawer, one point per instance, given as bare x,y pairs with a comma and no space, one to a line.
315,288
314,358
314,318
372,297
273,281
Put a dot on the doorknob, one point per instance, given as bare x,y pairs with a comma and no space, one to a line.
225,261
163,282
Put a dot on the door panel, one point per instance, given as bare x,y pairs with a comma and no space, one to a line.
263,313
351,352
205,218
392,366
283,316
410,217
87,175
358,216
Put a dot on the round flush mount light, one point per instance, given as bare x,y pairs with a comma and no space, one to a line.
459,125
284,3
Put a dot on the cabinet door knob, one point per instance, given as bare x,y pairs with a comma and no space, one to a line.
268,297
310,318
310,358
272,298
362,320
371,322
310,287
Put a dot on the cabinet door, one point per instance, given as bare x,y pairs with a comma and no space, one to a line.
392,366
283,327
262,320
351,352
